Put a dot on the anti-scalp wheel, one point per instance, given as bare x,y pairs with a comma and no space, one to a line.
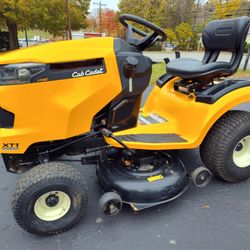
110,203
201,176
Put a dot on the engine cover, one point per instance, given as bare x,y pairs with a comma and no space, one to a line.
146,177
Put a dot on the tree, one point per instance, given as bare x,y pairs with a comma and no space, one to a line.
228,8
51,15
12,14
92,23
165,13
129,7
176,12
151,10
193,45
47,15
147,9
184,35
109,21
171,36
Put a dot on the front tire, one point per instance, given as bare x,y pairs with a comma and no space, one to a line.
226,148
50,198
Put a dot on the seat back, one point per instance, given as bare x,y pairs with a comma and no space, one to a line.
225,35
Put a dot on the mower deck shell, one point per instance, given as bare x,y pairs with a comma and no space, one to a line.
159,185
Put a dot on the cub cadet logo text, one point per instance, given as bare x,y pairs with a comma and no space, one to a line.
10,146
88,72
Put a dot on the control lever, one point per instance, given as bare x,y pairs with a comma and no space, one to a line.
166,60
129,69
109,134
177,54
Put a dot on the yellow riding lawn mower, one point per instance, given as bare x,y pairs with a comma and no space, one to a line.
83,96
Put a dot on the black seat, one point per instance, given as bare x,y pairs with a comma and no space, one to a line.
220,35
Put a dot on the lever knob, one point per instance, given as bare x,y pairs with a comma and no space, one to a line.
130,66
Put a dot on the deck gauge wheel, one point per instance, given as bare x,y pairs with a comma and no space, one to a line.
110,203
201,176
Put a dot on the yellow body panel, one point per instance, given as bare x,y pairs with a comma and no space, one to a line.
62,109
63,51
58,109
189,119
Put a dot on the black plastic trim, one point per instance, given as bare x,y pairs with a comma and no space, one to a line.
71,70
124,109
77,64
164,79
6,119
214,93
18,163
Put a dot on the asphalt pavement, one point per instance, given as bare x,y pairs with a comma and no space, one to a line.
215,217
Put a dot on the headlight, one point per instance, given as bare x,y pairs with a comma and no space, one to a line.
20,73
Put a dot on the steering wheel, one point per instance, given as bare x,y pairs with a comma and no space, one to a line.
148,39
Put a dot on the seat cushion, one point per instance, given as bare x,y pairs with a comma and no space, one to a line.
188,68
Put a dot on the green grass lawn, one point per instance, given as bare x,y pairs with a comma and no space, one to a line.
160,68
32,33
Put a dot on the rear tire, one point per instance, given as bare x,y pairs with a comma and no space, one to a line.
49,199
226,148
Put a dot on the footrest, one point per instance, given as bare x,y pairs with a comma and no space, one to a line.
151,138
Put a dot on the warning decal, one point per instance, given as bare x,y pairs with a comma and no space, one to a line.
151,118
155,178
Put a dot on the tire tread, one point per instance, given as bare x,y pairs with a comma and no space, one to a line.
43,173
214,148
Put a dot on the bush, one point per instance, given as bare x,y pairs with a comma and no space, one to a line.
246,47
156,47
184,35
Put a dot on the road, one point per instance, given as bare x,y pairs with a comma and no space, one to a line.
216,217
159,56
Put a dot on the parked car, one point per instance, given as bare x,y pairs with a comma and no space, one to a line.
170,46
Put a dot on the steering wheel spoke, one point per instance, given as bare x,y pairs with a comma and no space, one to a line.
148,39
130,36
